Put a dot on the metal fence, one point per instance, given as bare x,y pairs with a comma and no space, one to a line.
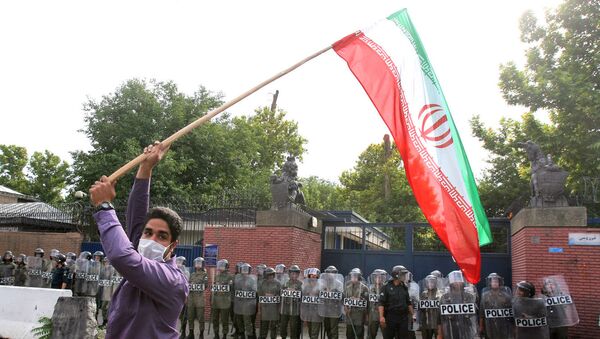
226,210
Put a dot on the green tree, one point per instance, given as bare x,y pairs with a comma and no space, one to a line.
363,187
560,77
223,154
48,176
321,194
13,160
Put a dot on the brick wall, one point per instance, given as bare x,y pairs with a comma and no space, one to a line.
265,245
8,199
27,242
579,264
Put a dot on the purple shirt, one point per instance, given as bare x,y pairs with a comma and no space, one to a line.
151,296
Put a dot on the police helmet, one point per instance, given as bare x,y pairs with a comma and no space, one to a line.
398,270
331,269
8,255
245,268
61,258
199,261
180,260
455,277
85,255
436,273
99,254
494,276
269,272
71,255
223,265
431,281
315,272
21,258
280,268
294,269
53,253
355,274
39,251
526,287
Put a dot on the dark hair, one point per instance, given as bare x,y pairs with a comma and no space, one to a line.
170,217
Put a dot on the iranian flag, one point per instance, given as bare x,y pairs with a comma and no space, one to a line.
389,61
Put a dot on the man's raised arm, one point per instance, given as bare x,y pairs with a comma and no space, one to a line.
139,198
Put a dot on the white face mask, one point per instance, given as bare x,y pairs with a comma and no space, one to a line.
152,250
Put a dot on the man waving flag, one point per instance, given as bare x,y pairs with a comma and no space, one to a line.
389,61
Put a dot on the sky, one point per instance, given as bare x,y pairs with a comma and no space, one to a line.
55,56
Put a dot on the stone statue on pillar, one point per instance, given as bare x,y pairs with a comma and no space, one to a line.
547,179
285,189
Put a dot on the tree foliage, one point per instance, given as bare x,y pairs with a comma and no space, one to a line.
13,160
44,176
560,77
224,154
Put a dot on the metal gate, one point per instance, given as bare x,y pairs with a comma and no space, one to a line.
370,246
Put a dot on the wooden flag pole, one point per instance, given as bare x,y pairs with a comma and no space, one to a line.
187,129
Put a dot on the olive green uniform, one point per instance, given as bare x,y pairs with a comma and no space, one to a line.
221,302
356,311
290,311
195,302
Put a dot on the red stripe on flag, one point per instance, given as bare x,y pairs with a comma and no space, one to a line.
380,81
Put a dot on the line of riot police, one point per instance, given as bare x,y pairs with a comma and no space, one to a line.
445,307
87,275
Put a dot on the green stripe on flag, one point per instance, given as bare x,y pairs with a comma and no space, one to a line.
403,22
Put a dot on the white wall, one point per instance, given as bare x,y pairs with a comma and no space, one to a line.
21,307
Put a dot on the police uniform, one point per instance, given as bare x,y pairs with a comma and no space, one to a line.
195,302
395,301
221,303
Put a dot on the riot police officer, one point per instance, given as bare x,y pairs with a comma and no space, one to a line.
7,269
529,313
21,270
291,293
356,297
60,273
395,306
269,300
195,302
376,283
221,295
331,285
495,319
429,307
310,303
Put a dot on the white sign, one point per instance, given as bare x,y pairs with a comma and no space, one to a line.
585,239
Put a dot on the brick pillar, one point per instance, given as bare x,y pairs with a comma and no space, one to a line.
540,247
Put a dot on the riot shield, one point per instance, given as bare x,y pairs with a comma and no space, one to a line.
269,299
81,268
47,266
496,309
7,274
291,295
429,302
413,293
356,301
331,290
458,312
116,280
309,306
105,282
530,318
34,271
221,290
559,304
376,281
244,298
92,276
283,278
